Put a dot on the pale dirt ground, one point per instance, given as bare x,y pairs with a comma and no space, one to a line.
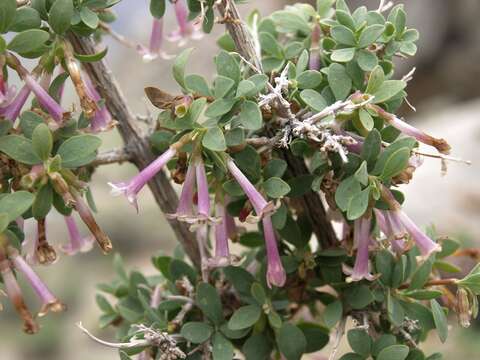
451,202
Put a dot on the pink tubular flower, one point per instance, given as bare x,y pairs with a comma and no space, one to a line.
390,230
102,120
202,190
156,39
185,203
7,93
132,188
426,245
275,272
185,28
440,144
49,301
14,294
361,237
47,102
314,59
12,110
261,206
77,243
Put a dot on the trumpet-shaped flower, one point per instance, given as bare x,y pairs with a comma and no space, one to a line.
276,274
186,29
155,47
78,243
102,120
47,102
132,188
362,238
261,206
49,301
12,110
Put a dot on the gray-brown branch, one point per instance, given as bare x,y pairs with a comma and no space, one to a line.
311,202
138,148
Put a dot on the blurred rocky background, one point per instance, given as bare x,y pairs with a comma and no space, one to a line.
445,90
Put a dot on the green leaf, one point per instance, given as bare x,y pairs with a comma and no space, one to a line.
4,221
362,174
352,356
222,348
257,347
384,263
60,15
244,317
227,66
157,8
42,141
333,313
388,90
291,341
316,336
196,332
345,18
214,139
246,88
276,187
89,17
383,342
358,204
235,137
197,84
366,60
258,293
360,341
88,58
43,202
15,204
359,296
219,107
7,14
275,167
371,147
395,311
179,67
339,81
422,294
79,150
343,55
291,22
396,163
366,119
313,99
343,35
222,86
309,79
19,148
250,115
270,45
376,79
421,275
394,352
347,189
370,34
25,18
440,320
209,302
28,41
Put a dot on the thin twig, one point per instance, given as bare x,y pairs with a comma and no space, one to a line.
443,157
112,157
338,337
118,37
